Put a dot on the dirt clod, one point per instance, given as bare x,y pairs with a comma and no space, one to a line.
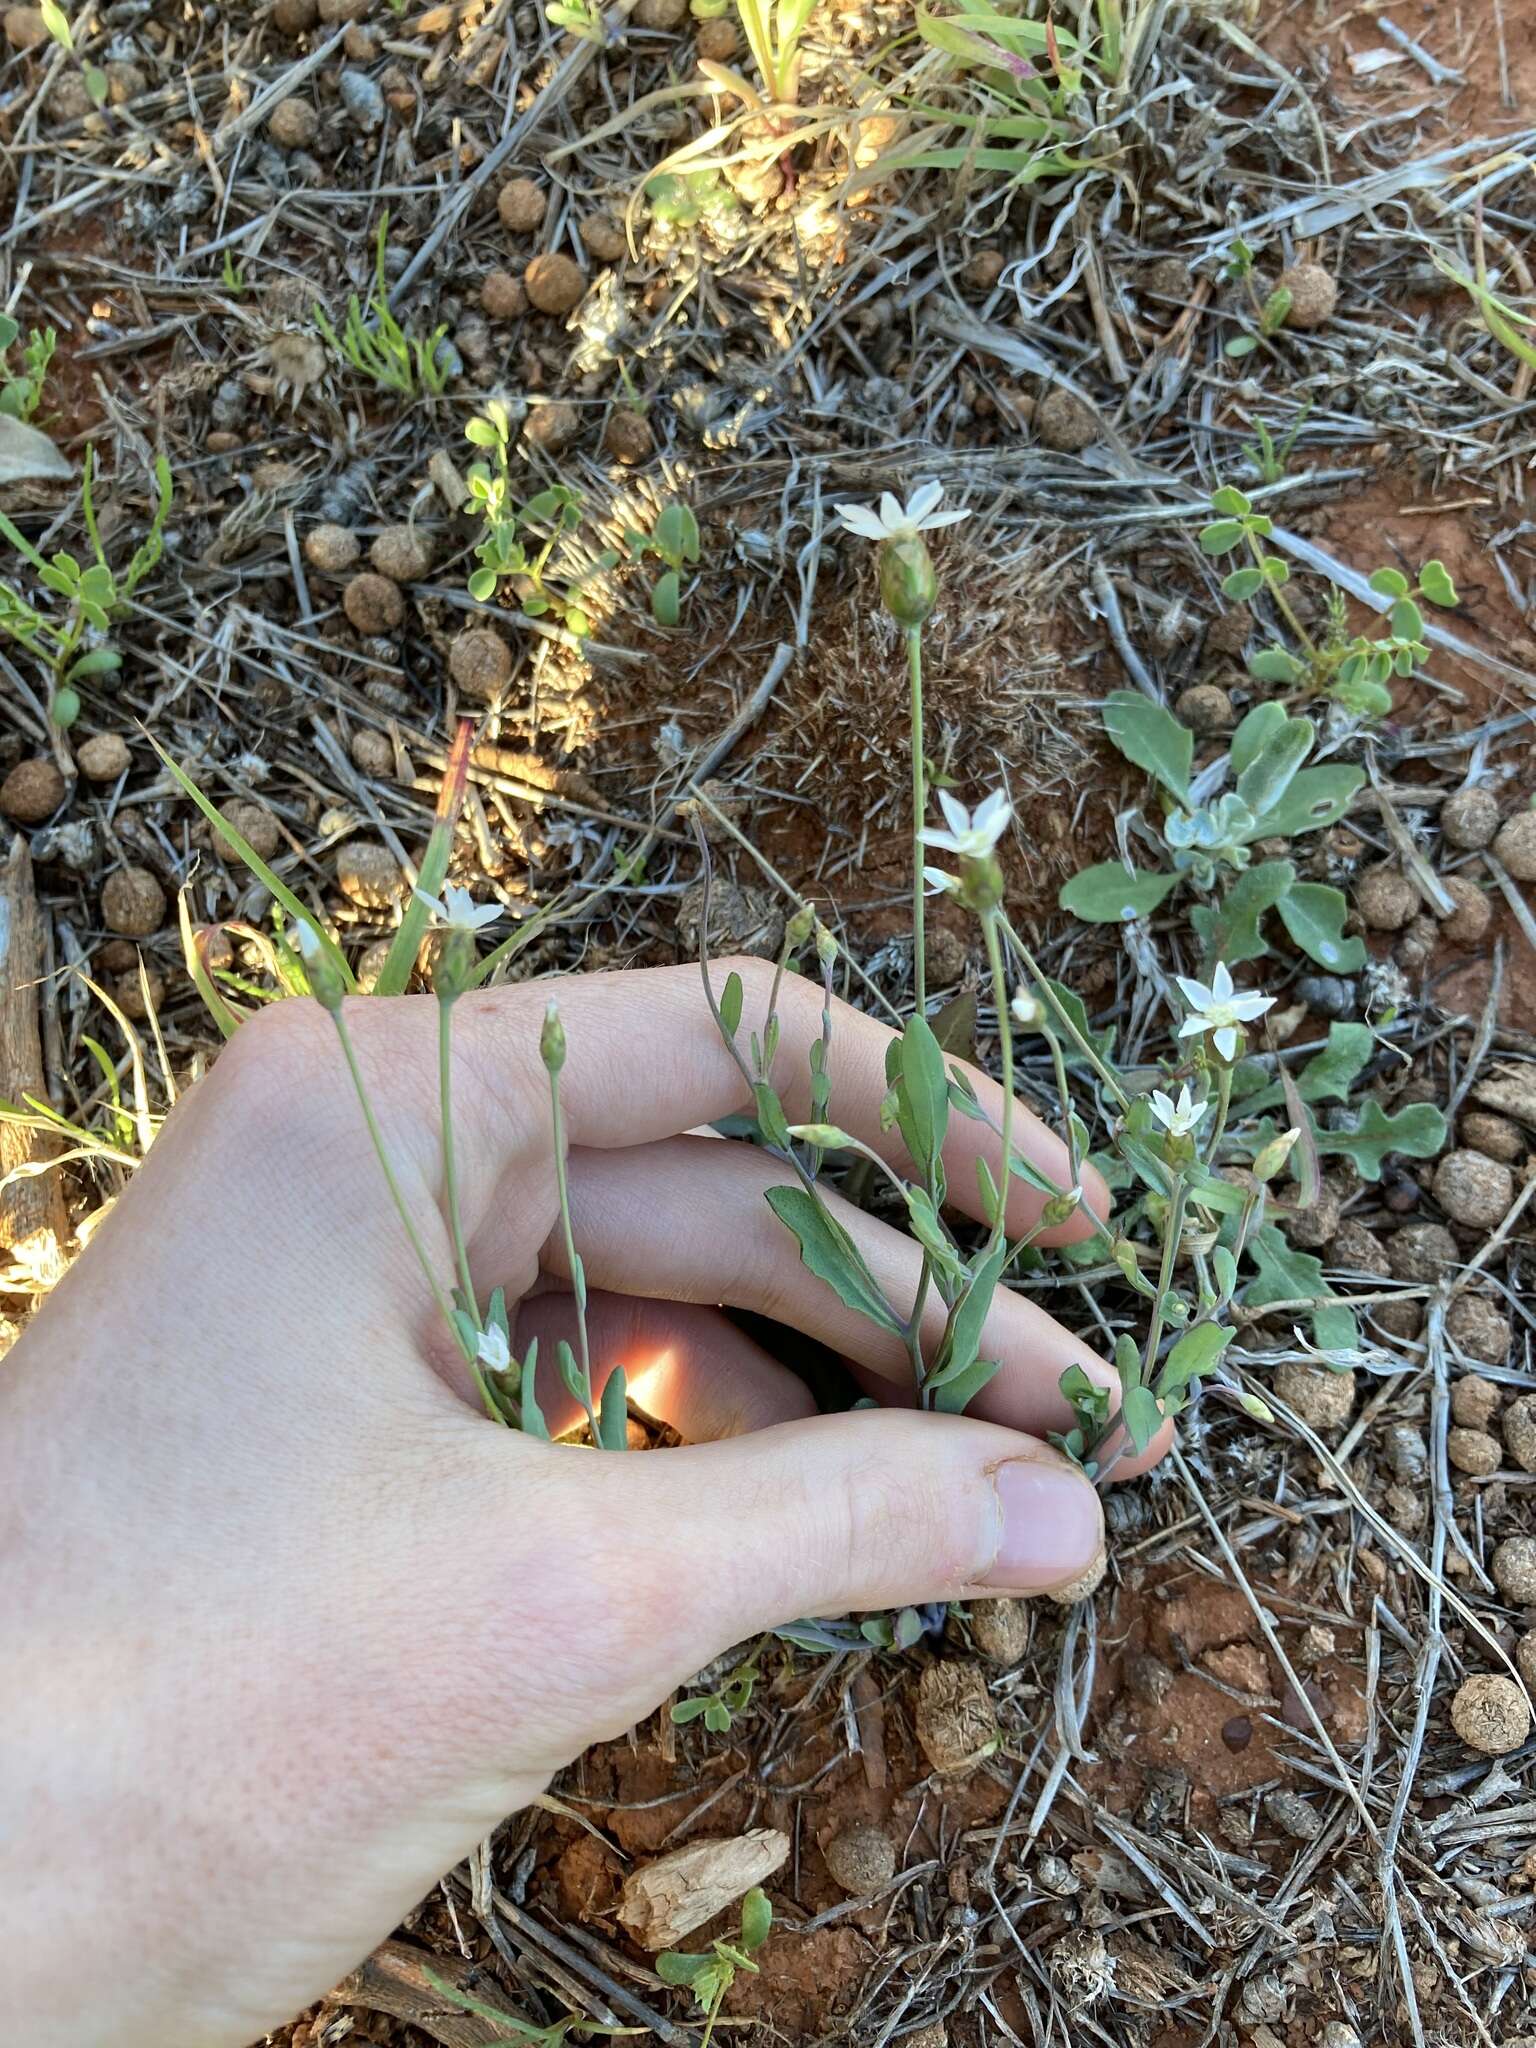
103,757
716,41
1477,1327
369,875
1525,1658
1064,422
1469,818
1474,1401
660,13
25,28
1473,1189
1386,899
1422,1252
628,437
480,662
1490,1714
403,553
1495,1136
373,603
255,824
132,903
522,206
1000,1629
1514,1569
32,791
1314,294
333,550
861,1860
293,124
1230,631
1515,845
371,752
955,1721
1520,1431
554,282
1324,1400
1468,922
1472,1451
552,426
603,238
1206,708
502,295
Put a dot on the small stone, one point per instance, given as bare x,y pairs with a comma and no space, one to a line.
1230,631
553,425
1473,1451
1405,1453
1241,1665
627,436
371,752
293,124
1468,922
1475,1401
403,553
1516,845
369,875
103,757
1064,422
1494,1136
1476,1327
1205,708
554,282
660,13
1148,1679
132,903
373,603
1316,1643
861,1860
1170,277
502,295
1417,943
333,550
1473,1189
1490,1714
1338,2034
125,82
1000,1629
1330,995
1314,294
716,41
980,272
255,824
1358,1250
1324,1400
1406,1508
1422,1252
1292,1815
480,662
522,205
1520,1431
128,994
32,791
1386,899
955,1721
1514,1569
25,28
360,44
1084,1586
1469,818
603,238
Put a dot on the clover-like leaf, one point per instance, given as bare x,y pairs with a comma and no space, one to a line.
1435,583
1221,536
1230,500
1242,584
1389,583
1276,665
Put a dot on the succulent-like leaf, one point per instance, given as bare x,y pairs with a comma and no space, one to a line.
1151,737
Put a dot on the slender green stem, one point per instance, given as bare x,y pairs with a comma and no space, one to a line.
989,931
919,819
1059,1066
1282,601
1223,1106
572,1257
394,1186
1173,1231
1049,997
450,1163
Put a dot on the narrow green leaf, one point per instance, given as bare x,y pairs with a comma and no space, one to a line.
1151,737
962,1339
756,1919
1141,1416
924,1093
771,1120
957,1394
534,1424
226,1015
731,1002
613,1414
830,1253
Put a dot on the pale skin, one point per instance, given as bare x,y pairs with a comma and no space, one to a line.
289,1625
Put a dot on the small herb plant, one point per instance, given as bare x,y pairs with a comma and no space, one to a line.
774,30
378,347
21,389
549,518
675,538
582,18
1270,313
710,1976
718,1709
1352,669
70,637
56,22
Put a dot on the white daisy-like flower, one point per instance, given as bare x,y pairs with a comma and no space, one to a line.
456,910
895,521
1178,1118
493,1350
971,834
1219,1009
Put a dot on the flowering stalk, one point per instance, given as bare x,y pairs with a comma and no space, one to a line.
919,813
552,1052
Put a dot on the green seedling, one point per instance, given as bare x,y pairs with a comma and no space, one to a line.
56,22
582,18
1032,79
675,538
70,637
378,347
21,389
718,1709
710,1976
522,541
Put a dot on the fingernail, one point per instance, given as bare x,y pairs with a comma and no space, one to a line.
1052,1525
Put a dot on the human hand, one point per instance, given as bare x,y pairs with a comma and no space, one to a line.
290,1625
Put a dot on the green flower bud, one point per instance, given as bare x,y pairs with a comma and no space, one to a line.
457,958
800,927
909,589
826,945
1060,1207
1272,1157
552,1040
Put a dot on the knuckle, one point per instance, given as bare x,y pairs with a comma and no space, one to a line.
275,1054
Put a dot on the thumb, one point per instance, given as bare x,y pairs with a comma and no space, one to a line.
841,1513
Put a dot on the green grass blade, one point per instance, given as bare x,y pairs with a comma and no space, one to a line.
405,946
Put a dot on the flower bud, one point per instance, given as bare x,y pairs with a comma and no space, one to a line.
1059,1208
826,945
1272,1157
1026,1009
457,958
909,589
325,980
552,1040
799,928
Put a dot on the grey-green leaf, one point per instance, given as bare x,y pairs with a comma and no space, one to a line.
1111,893
1314,914
1230,930
1417,1131
830,1253
1316,797
925,1093
1270,774
613,1415
1152,737
963,1338
1141,1415
1255,730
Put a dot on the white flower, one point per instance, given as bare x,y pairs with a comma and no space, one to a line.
493,1349
971,834
895,521
1026,1008
1179,1118
457,911
304,939
936,882
1219,1009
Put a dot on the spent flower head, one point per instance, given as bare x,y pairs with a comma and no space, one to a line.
1178,1118
1218,1008
895,521
456,910
971,834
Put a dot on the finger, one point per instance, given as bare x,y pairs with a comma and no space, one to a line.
685,1366
710,1236
645,1060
